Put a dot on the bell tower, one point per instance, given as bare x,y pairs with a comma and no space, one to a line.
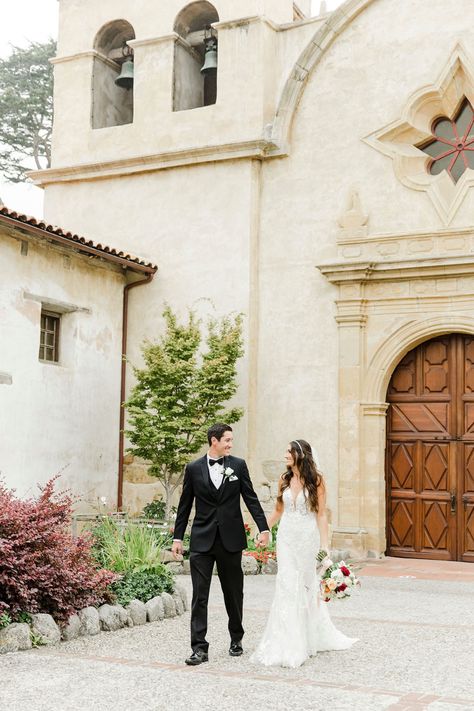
144,78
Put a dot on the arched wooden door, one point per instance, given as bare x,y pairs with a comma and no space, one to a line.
430,452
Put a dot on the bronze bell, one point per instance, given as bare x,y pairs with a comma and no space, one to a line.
125,78
210,57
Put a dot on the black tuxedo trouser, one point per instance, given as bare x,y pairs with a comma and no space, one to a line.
229,570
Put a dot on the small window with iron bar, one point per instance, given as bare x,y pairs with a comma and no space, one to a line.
49,337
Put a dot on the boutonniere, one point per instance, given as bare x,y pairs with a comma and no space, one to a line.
229,474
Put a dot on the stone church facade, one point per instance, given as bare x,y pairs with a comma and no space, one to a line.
321,183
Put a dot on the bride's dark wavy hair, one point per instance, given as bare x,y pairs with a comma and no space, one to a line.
311,477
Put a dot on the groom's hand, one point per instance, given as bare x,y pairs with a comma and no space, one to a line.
177,549
263,539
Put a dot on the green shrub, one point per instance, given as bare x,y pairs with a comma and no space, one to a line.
133,551
5,620
43,567
23,617
155,510
142,585
133,548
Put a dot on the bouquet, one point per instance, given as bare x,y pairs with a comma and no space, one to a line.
337,582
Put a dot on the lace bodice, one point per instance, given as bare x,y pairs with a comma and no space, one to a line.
298,504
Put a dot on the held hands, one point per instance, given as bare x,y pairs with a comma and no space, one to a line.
263,539
177,550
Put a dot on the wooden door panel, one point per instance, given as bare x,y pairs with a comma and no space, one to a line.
402,526
402,466
419,417
468,532
435,366
435,472
403,380
466,504
469,365
468,469
435,530
468,424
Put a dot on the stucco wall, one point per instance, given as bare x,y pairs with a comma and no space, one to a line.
60,418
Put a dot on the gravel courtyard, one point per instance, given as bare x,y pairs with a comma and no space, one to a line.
414,620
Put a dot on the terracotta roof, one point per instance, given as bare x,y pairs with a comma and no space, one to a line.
41,229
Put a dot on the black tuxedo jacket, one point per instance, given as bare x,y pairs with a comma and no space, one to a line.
217,509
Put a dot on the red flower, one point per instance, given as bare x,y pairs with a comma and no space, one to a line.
344,570
341,587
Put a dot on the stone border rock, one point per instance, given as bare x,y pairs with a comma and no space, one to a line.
43,630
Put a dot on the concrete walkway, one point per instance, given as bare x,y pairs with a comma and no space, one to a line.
414,619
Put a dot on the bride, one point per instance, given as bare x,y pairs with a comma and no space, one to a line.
299,625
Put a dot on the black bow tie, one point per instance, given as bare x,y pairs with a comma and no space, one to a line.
216,461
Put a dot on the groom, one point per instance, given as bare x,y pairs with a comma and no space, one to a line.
215,483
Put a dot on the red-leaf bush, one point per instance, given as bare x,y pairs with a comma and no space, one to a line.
43,568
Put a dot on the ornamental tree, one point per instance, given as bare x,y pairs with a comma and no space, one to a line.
181,390
26,110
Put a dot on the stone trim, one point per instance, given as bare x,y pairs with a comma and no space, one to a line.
147,41
398,270
258,149
326,34
88,54
391,351
377,409
60,307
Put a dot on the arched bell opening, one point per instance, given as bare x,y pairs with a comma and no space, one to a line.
195,57
113,75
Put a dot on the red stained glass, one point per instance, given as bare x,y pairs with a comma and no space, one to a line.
452,147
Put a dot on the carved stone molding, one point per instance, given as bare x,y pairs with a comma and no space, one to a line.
374,409
398,140
353,222
399,270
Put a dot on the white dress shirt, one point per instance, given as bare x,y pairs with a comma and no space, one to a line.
216,472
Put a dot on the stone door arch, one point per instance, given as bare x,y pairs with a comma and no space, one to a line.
430,451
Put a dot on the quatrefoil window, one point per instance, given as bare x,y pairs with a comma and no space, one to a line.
452,148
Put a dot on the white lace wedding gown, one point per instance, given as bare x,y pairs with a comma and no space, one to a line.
299,625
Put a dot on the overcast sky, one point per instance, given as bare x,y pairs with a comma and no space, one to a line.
21,22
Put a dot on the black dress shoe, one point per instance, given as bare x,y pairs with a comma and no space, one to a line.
235,649
196,658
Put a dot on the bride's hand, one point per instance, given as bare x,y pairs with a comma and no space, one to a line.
262,540
325,564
